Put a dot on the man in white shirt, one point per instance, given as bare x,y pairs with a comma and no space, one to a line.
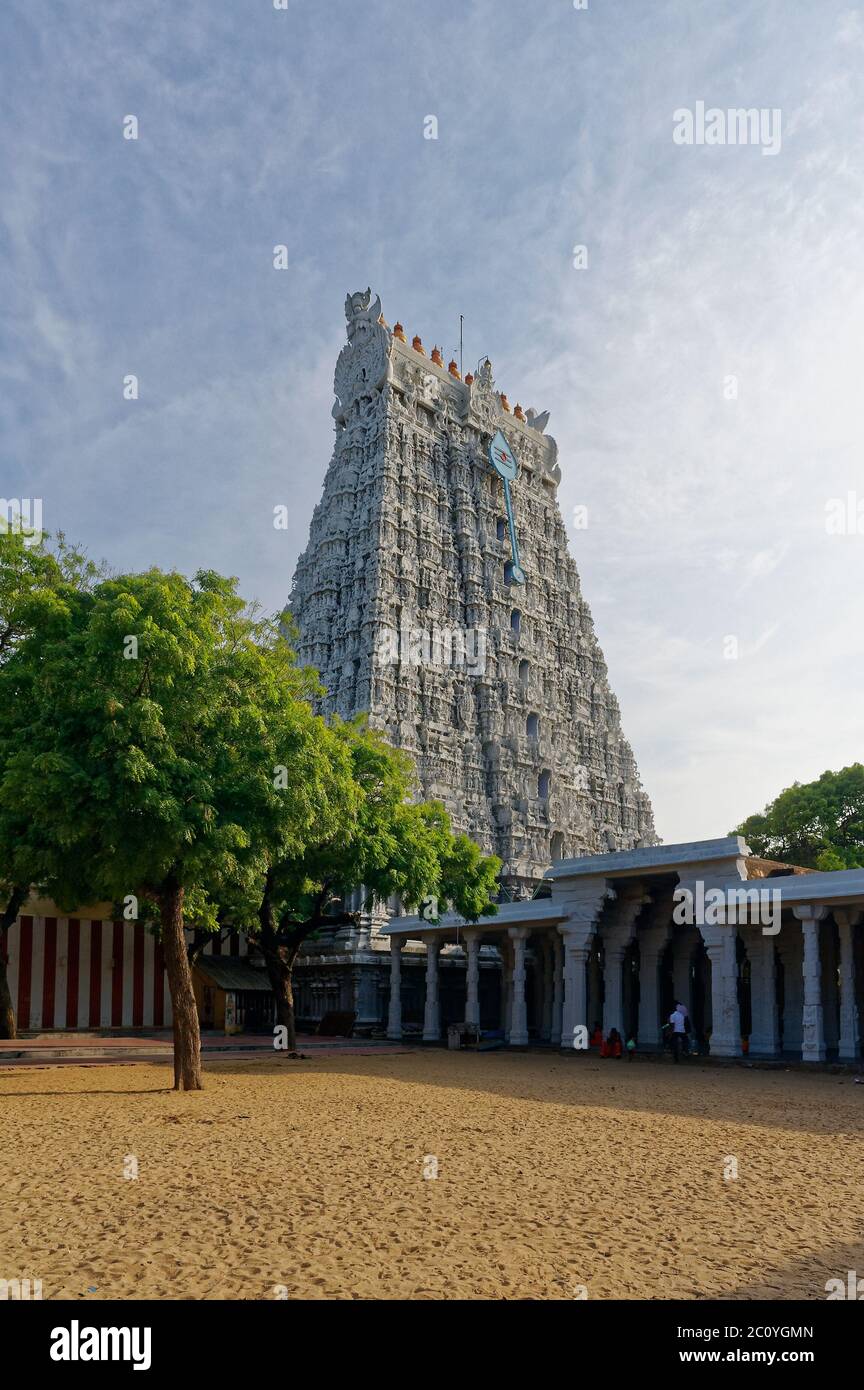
676,1018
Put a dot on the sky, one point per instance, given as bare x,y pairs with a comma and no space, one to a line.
701,357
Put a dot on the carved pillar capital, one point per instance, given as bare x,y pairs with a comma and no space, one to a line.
810,912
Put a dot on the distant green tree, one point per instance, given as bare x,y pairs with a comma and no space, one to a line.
379,843
819,825
38,580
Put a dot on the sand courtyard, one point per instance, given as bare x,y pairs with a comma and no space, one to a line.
557,1178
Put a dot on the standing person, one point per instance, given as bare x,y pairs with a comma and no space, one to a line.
676,1018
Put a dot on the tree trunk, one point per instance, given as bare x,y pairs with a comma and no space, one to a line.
7,1008
187,1034
279,961
282,984
8,918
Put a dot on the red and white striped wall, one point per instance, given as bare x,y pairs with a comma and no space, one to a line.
70,972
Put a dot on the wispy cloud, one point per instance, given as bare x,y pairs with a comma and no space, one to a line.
706,266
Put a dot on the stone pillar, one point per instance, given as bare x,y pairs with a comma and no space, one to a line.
649,994
830,963
720,943
518,1007
394,1014
613,1000
850,1037
548,966
594,1007
432,1012
576,948
789,949
472,976
557,948
538,958
812,1022
618,931
506,988
581,905
315,1005
653,939
765,1032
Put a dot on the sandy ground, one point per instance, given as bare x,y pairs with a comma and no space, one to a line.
553,1173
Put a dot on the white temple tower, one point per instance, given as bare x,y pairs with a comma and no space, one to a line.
406,603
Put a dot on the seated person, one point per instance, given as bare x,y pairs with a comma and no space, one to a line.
596,1039
613,1045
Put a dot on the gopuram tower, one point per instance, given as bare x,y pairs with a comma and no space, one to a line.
437,594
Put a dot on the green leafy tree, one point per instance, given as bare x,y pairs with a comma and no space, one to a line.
819,825
377,843
147,761
37,582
